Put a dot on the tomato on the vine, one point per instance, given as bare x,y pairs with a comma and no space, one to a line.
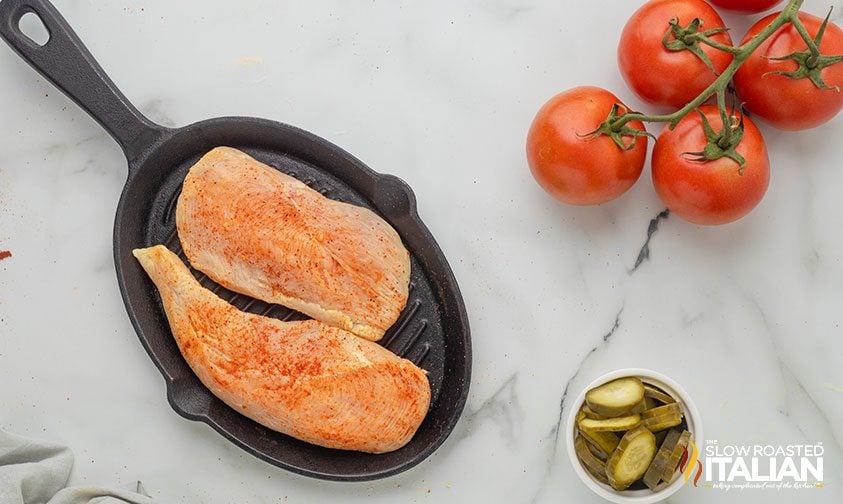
785,102
671,77
576,167
709,192
746,6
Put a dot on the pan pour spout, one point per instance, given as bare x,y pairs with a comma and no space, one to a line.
311,381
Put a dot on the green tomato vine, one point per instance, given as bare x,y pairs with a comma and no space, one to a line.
723,143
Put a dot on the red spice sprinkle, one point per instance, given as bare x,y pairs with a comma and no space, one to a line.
5,254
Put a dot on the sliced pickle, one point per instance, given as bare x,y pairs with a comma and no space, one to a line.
610,424
638,408
672,408
662,422
597,451
590,414
657,394
615,398
631,459
653,476
604,442
589,461
649,402
676,456
599,476
661,486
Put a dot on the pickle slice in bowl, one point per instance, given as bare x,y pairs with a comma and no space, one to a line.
631,446
595,466
603,441
667,409
662,422
591,414
676,456
654,473
616,398
656,393
618,424
639,408
631,458
597,451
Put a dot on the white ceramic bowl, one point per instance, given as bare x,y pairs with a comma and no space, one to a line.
645,496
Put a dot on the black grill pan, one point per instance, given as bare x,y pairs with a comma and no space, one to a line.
432,331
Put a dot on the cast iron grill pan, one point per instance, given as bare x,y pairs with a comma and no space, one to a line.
432,331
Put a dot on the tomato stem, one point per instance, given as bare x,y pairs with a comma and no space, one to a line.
810,63
812,46
717,45
790,14
726,138
688,38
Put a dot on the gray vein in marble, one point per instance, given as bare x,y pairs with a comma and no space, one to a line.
502,406
553,435
690,320
644,253
811,257
83,168
603,342
788,372
504,10
60,148
788,375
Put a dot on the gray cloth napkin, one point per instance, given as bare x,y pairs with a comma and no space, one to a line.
36,472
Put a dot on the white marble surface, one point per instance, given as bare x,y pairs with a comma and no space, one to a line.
748,317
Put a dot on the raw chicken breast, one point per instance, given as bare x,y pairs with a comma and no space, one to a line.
262,233
314,382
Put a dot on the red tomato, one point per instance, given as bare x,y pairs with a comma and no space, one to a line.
657,74
577,169
746,6
790,104
709,192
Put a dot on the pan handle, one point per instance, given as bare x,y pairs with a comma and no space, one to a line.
66,62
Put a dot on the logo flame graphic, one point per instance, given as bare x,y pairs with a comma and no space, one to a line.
690,461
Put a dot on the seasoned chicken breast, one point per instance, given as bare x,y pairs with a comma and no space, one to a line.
314,382
262,233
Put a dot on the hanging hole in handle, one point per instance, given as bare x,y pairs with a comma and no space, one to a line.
33,28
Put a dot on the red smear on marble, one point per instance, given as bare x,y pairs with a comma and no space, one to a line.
5,254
